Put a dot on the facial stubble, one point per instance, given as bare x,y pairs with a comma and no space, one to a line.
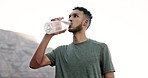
76,29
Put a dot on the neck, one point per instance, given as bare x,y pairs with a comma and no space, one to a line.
79,38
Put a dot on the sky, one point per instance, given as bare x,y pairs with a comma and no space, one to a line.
121,24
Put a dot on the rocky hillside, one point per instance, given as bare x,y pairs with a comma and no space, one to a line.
16,51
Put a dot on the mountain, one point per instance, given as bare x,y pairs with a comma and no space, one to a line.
16,51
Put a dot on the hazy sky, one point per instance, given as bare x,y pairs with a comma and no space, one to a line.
122,24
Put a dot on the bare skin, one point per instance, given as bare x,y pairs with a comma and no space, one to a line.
76,18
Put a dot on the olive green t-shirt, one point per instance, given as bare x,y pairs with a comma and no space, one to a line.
89,59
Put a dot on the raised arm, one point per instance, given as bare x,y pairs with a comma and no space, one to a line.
39,59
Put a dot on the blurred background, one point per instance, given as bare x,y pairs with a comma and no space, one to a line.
121,24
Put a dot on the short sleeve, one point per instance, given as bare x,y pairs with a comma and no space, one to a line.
106,61
51,56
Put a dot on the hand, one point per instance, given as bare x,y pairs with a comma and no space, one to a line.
59,19
59,32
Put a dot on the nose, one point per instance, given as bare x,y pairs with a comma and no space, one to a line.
70,20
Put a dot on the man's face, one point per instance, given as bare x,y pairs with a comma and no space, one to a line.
76,19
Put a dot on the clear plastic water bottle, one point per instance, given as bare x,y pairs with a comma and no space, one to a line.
54,26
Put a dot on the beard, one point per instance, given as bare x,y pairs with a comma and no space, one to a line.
76,29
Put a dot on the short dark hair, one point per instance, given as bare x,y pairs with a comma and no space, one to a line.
85,11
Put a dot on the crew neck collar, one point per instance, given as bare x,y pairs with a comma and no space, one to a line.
81,42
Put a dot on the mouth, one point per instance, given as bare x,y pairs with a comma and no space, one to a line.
70,25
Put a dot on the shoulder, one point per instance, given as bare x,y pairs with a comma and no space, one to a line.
62,47
100,44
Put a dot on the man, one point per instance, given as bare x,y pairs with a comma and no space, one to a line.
83,58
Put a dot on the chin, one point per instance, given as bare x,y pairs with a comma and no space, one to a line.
70,30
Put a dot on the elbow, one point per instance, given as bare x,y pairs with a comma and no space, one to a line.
32,66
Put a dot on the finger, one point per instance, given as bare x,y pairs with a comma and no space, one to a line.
59,18
59,32
54,19
62,31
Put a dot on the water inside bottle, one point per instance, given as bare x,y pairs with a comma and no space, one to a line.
54,26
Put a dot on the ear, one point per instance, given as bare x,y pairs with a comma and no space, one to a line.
85,22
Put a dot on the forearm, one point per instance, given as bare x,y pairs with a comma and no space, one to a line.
39,54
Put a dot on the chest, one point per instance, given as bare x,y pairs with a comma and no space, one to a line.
80,56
